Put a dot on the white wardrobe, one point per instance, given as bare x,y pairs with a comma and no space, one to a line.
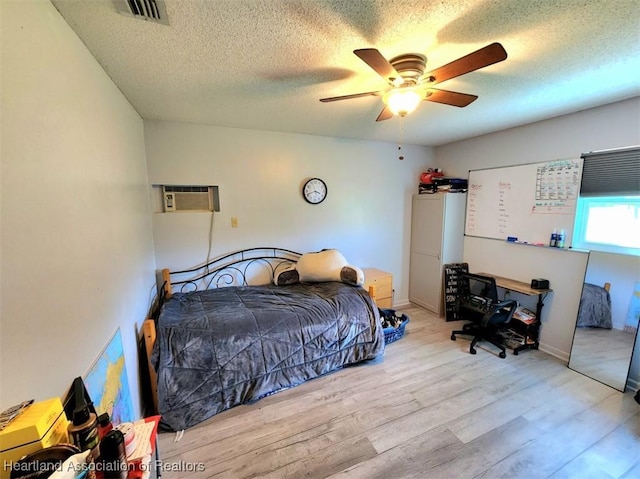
437,238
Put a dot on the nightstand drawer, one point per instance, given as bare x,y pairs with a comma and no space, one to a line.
385,303
383,286
380,286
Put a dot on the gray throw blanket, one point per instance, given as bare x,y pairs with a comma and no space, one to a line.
595,307
219,348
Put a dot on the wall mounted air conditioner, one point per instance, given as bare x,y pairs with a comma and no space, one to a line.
188,198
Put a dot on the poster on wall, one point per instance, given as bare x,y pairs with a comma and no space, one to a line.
108,384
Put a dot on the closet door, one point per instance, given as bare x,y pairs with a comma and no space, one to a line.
425,274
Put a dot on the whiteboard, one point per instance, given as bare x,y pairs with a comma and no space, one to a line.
526,201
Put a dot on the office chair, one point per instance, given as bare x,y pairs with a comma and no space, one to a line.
496,318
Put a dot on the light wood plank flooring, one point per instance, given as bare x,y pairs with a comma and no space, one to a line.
428,409
603,354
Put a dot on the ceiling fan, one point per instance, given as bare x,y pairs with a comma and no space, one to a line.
410,84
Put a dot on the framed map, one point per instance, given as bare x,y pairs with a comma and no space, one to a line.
108,385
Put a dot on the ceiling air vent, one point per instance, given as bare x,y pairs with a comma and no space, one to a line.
150,10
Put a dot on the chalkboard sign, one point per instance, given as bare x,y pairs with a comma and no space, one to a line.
452,274
526,202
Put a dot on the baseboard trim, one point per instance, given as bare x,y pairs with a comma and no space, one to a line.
403,303
555,352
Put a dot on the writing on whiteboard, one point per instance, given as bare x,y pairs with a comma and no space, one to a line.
557,187
525,201
504,198
472,203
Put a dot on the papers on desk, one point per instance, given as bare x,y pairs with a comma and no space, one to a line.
143,435
140,459
525,315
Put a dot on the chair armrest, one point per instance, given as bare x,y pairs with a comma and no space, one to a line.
507,303
510,305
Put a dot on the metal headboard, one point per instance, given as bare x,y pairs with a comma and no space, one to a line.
240,268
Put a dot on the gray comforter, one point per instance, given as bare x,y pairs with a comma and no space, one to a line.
219,348
595,307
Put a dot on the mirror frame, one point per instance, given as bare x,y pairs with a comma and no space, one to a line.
628,364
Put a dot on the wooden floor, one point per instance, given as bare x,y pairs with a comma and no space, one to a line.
428,409
603,354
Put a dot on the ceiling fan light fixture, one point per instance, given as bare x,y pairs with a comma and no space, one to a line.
402,101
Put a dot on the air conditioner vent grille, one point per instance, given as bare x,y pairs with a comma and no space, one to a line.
186,189
151,10
145,8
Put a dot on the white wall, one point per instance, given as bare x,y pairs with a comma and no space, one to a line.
77,251
367,213
610,126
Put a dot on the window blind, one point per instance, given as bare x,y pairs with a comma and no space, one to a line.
611,173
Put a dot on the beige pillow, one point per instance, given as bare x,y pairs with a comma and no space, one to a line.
324,265
328,265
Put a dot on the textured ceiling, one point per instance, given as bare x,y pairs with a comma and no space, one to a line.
264,64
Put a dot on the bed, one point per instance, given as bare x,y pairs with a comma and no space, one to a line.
228,335
595,307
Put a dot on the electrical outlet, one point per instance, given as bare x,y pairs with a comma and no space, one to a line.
234,222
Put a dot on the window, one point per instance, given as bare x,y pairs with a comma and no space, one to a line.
608,223
608,209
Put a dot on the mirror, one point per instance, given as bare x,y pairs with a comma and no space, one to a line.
607,323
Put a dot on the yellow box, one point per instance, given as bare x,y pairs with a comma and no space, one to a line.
41,425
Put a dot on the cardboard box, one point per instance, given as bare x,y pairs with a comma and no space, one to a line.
41,425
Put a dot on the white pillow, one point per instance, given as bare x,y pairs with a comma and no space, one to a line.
322,266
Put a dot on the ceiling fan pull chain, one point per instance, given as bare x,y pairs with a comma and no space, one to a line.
401,138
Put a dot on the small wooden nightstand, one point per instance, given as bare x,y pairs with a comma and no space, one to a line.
380,286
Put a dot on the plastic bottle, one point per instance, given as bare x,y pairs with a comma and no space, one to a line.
104,425
553,241
113,456
560,239
83,430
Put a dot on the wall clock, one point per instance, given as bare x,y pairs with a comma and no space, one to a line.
314,191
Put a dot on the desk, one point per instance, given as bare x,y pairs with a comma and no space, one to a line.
531,331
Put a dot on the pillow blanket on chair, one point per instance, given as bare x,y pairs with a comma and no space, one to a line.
325,265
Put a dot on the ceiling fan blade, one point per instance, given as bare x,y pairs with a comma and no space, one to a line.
484,57
452,98
385,114
380,64
348,97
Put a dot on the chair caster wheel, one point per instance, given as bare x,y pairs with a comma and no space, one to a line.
453,337
502,354
472,351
